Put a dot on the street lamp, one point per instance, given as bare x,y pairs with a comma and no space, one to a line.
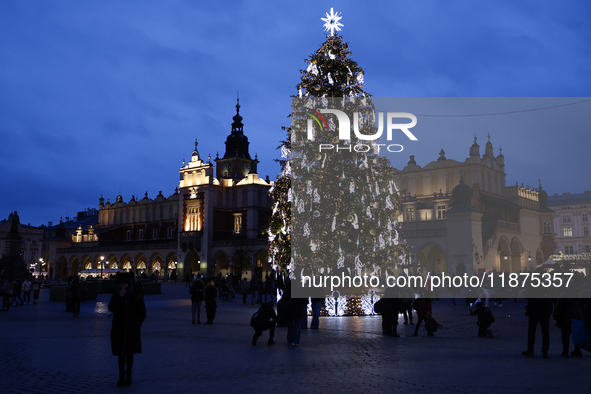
42,264
102,264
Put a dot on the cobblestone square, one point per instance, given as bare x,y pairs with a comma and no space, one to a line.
46,350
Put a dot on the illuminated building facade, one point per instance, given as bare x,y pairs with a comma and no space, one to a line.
213,223
461,217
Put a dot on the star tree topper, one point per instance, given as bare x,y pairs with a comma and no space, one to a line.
332,22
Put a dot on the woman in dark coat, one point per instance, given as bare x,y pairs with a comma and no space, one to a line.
211,304
566,310
129,312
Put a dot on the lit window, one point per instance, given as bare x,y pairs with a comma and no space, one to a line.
237,223
441,212
410,215
193,219
568,231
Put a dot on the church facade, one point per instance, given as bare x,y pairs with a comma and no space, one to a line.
461,217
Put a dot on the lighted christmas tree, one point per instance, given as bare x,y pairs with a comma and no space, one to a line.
335,208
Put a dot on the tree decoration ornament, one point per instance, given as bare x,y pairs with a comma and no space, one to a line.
332,22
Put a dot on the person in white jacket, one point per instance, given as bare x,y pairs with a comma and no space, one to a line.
27,287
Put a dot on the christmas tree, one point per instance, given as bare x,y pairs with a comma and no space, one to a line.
344,199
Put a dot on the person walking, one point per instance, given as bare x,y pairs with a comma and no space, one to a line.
76,289
7,289
317,302
27,286
264,319
567,309
196,291
424,309
36,286
254,291
244,287
129,312
16,293
538,311
211,305
296,313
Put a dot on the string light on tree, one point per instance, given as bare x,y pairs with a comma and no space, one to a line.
367,302
336,305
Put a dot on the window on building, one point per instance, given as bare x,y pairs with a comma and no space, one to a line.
237,223
34,242
33,255
568,231
441,212
128,235
587,248
141,234
568,250
155,233
585,230
584,217
169,232
410,215
566,219
193,219
546,228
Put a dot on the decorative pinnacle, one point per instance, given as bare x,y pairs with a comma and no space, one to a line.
237,102
474,138
500,150
488,135
332,22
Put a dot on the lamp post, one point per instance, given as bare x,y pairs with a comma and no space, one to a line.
102,264
42,264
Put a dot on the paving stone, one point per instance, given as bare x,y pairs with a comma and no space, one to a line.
46,350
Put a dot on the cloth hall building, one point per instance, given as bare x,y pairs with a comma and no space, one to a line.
461,217
214,222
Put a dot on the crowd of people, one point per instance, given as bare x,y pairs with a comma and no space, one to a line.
129,310
11,290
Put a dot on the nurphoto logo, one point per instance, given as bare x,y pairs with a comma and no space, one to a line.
344,129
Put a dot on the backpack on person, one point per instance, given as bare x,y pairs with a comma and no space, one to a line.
431,324
416,304
489,316
255,320
379,306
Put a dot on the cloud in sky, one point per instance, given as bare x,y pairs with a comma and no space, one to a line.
102,97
